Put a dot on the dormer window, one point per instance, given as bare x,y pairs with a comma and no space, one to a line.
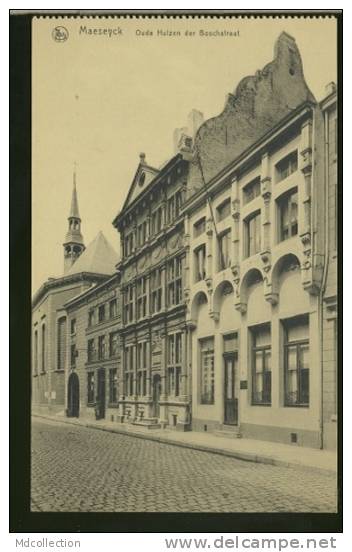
141,179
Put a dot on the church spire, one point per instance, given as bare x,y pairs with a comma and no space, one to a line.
73,245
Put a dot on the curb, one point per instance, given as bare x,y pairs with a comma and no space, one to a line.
245,456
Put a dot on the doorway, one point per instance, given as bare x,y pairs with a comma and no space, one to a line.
73,396
100,403
156,395
230,390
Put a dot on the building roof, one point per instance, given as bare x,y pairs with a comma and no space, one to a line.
99,258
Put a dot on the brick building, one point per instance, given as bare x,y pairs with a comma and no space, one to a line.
83,268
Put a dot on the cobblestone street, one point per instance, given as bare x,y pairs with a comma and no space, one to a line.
80,469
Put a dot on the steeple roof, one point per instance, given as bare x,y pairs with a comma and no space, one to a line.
99,258
74,212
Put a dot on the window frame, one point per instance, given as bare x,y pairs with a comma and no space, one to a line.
223,263
156,290
251,250
90,388
223,210
174,272
297,345
263,349
249,190
142,369
113,386
129,371
281,171
141,298
284,201
200,275
174,363
209,352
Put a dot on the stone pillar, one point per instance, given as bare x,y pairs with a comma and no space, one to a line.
183,419
121,381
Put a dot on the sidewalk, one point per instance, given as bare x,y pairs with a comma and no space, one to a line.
251,450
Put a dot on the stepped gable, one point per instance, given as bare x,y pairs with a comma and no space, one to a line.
258,103
99,258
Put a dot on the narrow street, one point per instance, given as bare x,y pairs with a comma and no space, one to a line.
77,469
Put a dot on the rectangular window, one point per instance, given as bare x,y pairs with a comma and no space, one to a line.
174,363
90,387
207,372
73,326
91,317
224,209
101,313
113,386
174,281
142,233
224,250
252,231
286,166
157,220
296,361
178,202
101,347
73,354
288,214
43,348
128,244
35,352
171,209
61,343
199,227
141,298
128,304
261,364
142,363
199,263
129,370
156,290
113,344
113,308
91,350
251,190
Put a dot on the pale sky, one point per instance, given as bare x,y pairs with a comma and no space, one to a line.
100,101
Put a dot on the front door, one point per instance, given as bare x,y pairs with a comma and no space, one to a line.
230,398
73,396
100,406
156,395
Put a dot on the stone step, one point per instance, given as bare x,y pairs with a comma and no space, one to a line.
232,432
147,423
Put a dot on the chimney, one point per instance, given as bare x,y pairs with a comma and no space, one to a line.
142,158
178,132
330,88
195,120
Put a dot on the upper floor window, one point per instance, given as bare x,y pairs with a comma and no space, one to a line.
224,209
178,202
43,347
113,344
174,281
91,350
101,347
174,363
157,217
35,359
128,304
73,326
261,364
141,298
73,354
288,214
251,190
91,317
101,313
199,263
296,356
286,166
171,209
225,250
252,234
199,227
128,244
113,308
142,233
61,342
156,290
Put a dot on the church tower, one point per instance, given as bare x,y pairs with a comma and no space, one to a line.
73,245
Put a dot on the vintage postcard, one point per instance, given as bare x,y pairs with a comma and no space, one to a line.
184,329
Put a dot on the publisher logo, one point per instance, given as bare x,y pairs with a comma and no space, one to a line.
60,34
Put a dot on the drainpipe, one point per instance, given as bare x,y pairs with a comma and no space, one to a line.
326,264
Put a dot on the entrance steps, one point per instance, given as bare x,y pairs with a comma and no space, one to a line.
149,423
232,432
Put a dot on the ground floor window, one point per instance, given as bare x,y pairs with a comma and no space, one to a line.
261,364
90,387
142,365
207,372
129,370
296,361
174,359
113,386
